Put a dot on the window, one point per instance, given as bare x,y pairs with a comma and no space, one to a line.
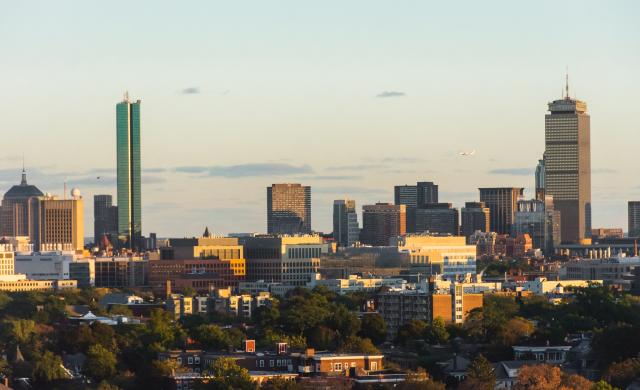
337,367
261,363
190,359
179,360
196,360
271,363
374,366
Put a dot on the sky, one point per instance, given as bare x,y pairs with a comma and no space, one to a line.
350,98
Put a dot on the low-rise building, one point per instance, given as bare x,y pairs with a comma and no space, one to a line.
356,283
541,285
179,305
449,256
611,271
121,272
239,305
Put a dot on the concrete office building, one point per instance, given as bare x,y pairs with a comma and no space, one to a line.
475,216
634,219
430,255
408,196
128,172
288,209
382,222
427,192
16,215
290,260
439,218
346,230
60,223
105,218
501,202
540,221
568,165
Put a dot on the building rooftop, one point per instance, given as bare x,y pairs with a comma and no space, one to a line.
23,190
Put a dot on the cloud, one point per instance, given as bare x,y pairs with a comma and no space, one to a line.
512,171
246,170
347,190
191,91
356,167
332,177
402,160
388,94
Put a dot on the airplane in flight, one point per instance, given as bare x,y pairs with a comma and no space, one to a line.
471,153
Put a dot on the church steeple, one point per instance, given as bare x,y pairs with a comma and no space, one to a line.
206,233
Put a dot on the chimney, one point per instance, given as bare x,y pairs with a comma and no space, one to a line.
249,346
310,353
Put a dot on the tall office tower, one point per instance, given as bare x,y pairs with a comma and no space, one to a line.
502,206
288,209
427,193
15,213
346,230
568,165
128,169
439,218
634,219
105,217
475,216
408,196
539,184
540,221
382,222
60,222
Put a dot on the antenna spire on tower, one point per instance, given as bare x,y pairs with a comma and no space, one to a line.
566,81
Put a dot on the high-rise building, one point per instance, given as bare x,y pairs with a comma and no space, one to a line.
346,230
105,217
634,218
16,215
59,223
408,196
539,220
539,184
128,171
439,218
427,193
288,209
501,202
567,170
382,222
475,216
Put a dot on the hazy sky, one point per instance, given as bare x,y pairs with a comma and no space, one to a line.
350,97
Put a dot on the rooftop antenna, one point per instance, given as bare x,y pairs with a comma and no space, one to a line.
24,173
126,96
566,79
64,194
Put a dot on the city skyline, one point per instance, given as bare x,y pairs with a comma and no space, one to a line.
411,92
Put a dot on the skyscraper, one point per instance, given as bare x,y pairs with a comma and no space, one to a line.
408,196
15,213
502,206
538,219
345,222
128,170
288,209
568,165
634,219
381,222
105,217
539,184
475,216
439,218
427,193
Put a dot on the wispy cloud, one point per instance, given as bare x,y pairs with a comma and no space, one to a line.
355,167
388,94
347,190
191,91
512,171
247,170
332,177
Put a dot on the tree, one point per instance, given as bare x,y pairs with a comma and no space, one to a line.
48,368
227,375
420,380
539,377
480,375
22,330
373,327
280,384
621,374
344,322
104,385
436,332
602,385
474,325
355,344
101,363
120,310
189,291
323,338
160,328
300,313
515,329
575,382
212,337
412,330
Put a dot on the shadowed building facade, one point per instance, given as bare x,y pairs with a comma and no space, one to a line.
105,217
567,165
634,218
128,172
502,204
381,222
346,230
408,196
475,216
16,213
288,209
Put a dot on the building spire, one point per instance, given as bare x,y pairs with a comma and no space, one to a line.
566,83
23,182
126,96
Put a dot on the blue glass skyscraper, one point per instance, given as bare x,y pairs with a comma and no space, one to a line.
128,170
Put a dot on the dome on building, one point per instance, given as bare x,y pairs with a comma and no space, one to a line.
75,193
23,190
